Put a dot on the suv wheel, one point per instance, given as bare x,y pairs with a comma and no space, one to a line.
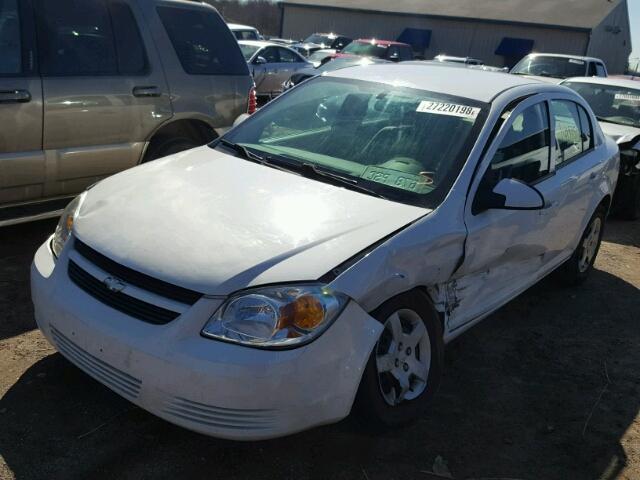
169,147
405,367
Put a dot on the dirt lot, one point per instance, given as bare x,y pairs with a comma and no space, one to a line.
548,387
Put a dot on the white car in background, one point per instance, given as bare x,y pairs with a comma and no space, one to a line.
318,257
244,32
616,104
554,67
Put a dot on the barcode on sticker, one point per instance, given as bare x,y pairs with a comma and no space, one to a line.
451,109
628,98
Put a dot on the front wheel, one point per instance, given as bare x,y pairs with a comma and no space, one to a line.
576,270
405,367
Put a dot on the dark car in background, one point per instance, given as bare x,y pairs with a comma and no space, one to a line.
89,88
328,40
383,49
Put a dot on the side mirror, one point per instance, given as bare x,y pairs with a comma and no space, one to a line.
508,194
260,61
240,119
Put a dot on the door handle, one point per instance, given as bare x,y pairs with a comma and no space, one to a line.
146,92
15,96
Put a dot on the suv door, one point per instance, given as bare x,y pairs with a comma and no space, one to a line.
506,250
22,166
104,90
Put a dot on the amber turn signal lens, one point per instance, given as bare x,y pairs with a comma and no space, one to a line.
69,223
305,312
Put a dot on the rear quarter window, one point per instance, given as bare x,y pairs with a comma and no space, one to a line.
203,42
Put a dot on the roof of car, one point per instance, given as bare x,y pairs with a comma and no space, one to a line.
474,84
375,41
237,26
614,82
562,55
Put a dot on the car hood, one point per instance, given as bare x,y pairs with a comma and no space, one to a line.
214,223
620,133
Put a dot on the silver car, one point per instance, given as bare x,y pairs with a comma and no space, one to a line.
271,64
94,87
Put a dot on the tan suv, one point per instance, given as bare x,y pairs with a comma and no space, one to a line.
92,87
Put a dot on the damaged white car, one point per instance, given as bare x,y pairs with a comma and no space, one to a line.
318,257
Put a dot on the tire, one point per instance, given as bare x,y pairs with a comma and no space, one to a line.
576,270
169,147
631,208
381,401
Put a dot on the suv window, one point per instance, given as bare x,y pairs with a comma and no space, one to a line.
567,131
75,38
202,41
132,58
10,45
287,56
600,70
526,149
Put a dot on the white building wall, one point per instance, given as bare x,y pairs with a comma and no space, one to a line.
453,37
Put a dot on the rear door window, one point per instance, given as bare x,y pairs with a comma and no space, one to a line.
10,44
202,41
271,54
569,139
132,58
75,38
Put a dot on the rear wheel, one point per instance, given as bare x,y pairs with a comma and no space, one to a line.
576,270
405,367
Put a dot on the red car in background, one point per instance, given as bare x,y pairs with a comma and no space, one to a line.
384,49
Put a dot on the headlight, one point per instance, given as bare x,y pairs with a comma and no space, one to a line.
65,225
276,317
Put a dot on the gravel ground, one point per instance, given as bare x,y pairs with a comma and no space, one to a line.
548,387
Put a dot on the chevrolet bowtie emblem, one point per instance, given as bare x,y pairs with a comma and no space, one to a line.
114,284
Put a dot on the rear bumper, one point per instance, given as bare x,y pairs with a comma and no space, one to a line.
211,387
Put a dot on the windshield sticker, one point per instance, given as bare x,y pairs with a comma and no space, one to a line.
577,62
422,183
449,109
628,98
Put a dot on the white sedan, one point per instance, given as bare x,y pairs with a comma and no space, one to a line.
318,257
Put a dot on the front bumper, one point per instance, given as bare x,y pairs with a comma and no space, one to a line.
211,387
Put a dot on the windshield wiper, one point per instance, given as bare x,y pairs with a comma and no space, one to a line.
241,150
309,169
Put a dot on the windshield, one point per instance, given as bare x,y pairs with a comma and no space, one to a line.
404,144
611,104
366,49
320,39
248,51
556,67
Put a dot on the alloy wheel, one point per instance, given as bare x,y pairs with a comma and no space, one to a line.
403,357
